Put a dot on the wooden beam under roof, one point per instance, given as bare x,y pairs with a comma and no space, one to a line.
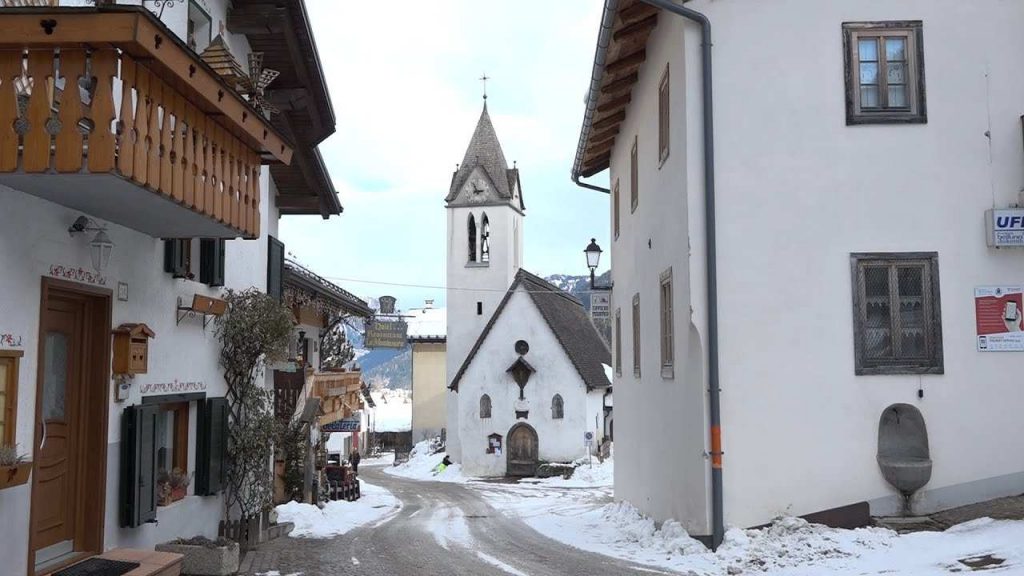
599,148
616,87
615,104
608,121
610,133
627,63
636,29
636,12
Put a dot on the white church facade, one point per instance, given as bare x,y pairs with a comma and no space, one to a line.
526,365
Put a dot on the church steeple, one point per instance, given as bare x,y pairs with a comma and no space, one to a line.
484,175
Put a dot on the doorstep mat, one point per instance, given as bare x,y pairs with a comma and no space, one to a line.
98,567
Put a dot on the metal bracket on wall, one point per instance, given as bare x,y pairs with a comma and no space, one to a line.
190,312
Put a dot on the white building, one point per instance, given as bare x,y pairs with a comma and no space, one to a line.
852,191
533,385
495,310
157,238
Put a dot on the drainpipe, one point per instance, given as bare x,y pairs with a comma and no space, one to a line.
604,38
714,406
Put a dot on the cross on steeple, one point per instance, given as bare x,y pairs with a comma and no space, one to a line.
484,79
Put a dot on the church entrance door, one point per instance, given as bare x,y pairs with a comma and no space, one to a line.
522,450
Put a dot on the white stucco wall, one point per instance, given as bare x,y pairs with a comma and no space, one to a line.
558,440
798,191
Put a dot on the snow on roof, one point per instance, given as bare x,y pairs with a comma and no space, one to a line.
427,323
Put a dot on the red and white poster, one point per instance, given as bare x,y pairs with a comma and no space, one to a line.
999,313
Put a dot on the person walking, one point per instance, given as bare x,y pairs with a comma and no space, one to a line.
354,460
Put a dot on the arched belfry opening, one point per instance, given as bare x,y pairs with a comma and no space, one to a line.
471,233
485,239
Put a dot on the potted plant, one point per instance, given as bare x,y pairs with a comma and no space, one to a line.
14,467
163,488
178,483
204,557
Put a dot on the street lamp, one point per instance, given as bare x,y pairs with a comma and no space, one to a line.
593,252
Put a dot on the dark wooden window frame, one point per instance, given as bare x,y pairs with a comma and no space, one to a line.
179,412
618,341
666,333
636,335
616,216
634,176
929,262
664,115
10,388
917,112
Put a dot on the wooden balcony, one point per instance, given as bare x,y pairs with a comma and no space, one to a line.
106,111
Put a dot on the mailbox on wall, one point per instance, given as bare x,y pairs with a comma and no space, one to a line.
131,348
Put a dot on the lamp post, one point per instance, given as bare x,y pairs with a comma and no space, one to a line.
593,252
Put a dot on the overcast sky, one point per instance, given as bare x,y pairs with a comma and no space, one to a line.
404,80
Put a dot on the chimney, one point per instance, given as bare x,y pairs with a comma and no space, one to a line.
428,304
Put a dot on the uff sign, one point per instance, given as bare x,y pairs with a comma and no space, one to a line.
1005,227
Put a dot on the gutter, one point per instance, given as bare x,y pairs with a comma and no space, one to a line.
714,400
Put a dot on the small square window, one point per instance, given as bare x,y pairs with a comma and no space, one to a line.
897,316
884,73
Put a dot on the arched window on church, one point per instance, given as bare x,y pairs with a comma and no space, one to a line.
485,406
472,238
485,239
557,407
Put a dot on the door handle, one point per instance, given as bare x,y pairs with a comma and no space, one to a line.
43,441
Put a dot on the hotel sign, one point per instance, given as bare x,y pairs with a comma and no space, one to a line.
1005,228
386,334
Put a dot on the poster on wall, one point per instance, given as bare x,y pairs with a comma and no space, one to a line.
999,313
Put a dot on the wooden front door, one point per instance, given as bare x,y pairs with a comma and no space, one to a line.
61,353
72,396
522,450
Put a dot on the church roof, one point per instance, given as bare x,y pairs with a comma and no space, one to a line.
485,151
568,320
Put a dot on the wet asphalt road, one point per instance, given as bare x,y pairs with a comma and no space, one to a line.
444,530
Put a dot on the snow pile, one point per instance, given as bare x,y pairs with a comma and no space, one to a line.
635,530
393,411
592,474
338,517
422,465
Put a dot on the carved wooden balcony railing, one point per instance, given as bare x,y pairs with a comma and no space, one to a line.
111,93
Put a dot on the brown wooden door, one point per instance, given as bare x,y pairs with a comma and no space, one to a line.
522,451
55,489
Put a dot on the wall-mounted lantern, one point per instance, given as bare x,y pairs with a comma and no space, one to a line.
101,245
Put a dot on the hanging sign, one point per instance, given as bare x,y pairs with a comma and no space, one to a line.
343,425
600,305
999,314
1005,227
386,333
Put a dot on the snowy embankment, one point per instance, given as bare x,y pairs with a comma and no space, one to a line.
423,464
338,517
586,518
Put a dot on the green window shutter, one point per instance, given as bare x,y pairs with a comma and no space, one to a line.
275,269
175,257
211,449
138,465
211,261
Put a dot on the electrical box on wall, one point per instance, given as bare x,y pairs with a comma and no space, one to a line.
131,348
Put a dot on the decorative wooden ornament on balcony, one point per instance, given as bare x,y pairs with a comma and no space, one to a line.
223,62
254,86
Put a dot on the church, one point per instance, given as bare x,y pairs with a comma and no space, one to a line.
526,367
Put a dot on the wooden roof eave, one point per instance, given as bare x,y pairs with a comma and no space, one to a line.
137,32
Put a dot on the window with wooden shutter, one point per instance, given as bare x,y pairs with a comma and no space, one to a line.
615,209
211,261
897,316
618,341
211,446
636,335
634,177
138,465
8,394
885,80
663,118
667,332
178,257
275,269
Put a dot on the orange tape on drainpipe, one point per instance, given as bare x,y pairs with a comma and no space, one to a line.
716,447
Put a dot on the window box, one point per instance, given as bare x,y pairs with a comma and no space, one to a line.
11,476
